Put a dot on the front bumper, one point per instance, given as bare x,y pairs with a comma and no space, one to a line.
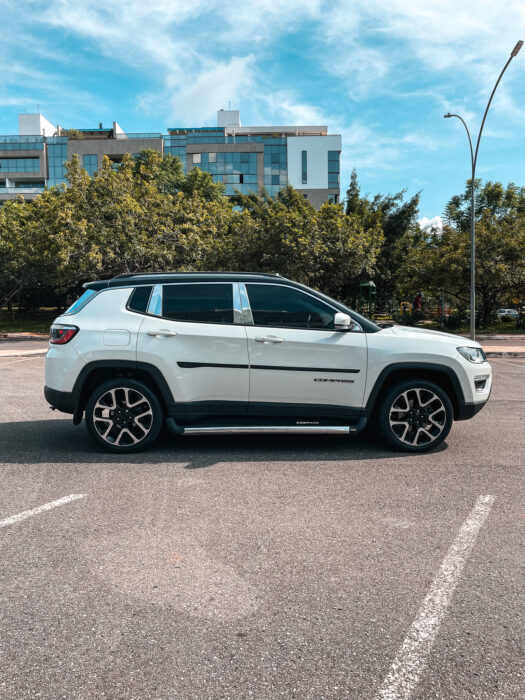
469,410
61,400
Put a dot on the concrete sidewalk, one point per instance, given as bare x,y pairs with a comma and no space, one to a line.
21,346
504,350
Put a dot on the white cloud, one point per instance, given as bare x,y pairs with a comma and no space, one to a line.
212,88
371,49
433,225
198,55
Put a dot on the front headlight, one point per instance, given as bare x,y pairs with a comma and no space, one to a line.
475,355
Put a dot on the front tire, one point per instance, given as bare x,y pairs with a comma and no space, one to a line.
124,415
416,416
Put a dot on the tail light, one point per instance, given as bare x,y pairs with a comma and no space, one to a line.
60,334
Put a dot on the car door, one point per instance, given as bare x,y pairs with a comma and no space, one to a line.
194,337
298,362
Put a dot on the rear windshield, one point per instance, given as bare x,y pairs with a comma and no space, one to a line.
81,301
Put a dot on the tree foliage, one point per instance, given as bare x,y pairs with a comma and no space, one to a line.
442,260
398,221
148,215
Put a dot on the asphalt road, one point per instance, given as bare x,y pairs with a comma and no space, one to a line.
241,567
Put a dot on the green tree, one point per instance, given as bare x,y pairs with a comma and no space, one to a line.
442,261
397,220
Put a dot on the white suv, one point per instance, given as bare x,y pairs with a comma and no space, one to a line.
246,352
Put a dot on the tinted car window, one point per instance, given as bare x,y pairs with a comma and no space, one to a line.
139,299
201,303
275,305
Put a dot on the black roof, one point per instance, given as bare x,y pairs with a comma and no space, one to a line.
137,279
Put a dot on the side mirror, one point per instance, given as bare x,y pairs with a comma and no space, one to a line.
342,322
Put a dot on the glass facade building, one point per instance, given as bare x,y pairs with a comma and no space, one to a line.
237,171
243,159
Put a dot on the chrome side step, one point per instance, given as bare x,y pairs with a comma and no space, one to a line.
236,430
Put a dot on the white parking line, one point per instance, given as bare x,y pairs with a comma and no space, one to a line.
14,362
41,509
512,364
411,658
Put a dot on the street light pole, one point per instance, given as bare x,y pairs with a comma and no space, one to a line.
473,161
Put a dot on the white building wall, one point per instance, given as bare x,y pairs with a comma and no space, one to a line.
34,125
229,118
317,148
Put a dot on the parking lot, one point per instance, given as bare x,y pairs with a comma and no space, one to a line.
256,567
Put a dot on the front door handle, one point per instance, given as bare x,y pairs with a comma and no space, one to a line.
162,333
268,339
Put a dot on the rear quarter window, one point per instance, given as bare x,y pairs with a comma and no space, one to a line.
139,299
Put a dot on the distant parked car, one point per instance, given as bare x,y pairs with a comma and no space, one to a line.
511,314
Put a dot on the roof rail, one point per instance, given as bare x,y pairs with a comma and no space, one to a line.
196,272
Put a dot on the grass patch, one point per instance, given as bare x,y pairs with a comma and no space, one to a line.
25,322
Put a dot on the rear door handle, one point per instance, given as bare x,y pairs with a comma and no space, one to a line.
268,339
162,333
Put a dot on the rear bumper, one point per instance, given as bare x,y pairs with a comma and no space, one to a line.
61,400
469,410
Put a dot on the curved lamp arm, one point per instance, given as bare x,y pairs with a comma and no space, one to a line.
472,161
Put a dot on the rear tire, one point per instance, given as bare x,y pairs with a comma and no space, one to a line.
124,415
416,416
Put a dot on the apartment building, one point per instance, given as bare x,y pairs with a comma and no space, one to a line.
244,158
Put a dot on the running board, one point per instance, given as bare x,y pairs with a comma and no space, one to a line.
285,429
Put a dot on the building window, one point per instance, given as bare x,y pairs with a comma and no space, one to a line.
90,162
304,167
196,158
213,157
20,165
333,169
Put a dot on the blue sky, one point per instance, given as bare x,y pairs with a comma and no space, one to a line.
382,73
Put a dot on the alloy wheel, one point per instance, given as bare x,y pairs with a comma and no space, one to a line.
417,417
122,417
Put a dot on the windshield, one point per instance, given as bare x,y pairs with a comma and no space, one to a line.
81,301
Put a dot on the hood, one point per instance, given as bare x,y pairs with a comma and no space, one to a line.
414,332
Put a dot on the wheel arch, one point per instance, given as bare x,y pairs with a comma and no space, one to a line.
99,371
443,376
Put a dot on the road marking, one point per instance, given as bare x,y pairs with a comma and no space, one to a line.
41,509
512,364
23,353
411,659
14,362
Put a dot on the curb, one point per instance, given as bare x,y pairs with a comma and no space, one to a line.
23,353
504,354
17,337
